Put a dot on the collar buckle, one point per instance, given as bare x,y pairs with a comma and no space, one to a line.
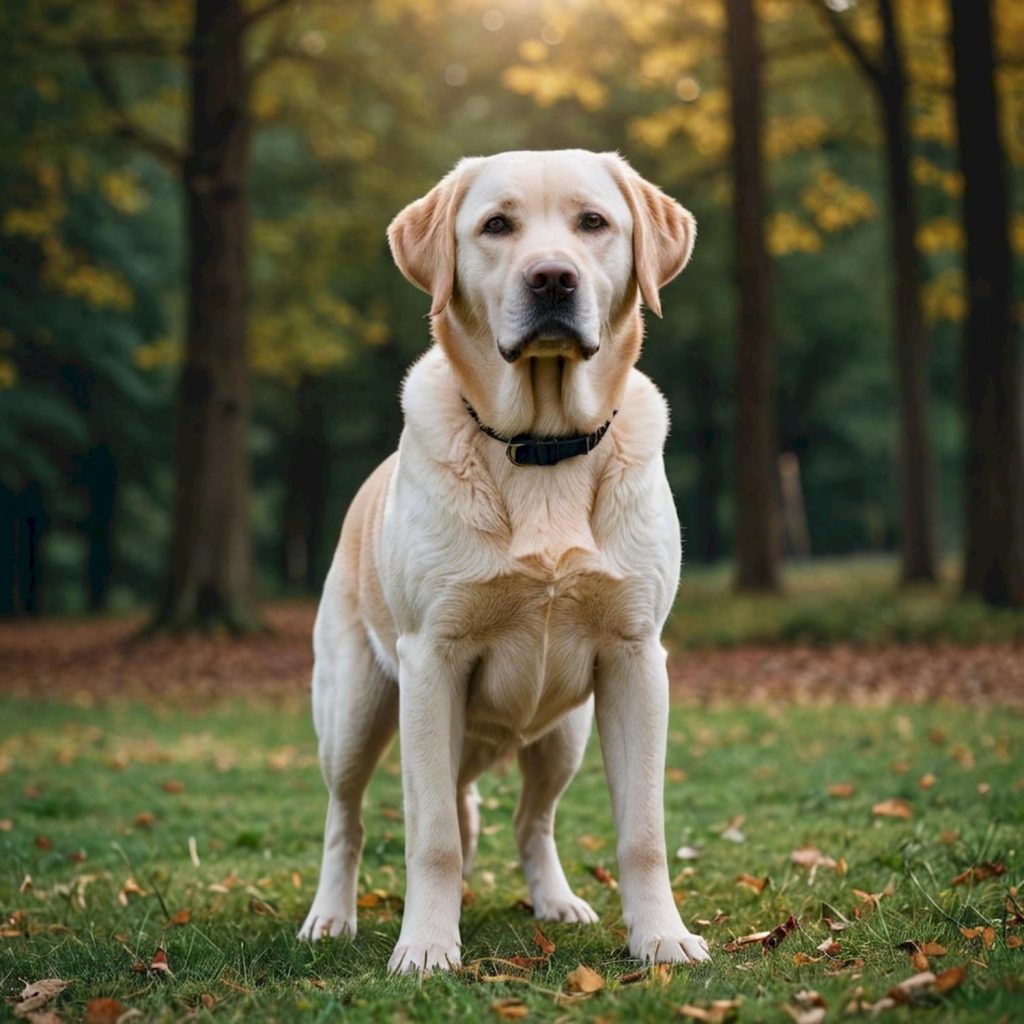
510,451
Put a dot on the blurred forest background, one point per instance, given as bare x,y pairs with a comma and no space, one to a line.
202,335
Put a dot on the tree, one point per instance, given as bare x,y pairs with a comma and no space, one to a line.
887,75
994,460
757,511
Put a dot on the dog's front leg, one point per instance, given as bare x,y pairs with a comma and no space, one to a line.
432,707
631,700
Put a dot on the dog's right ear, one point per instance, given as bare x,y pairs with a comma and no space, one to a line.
422,238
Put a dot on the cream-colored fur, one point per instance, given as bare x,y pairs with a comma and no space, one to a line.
484,608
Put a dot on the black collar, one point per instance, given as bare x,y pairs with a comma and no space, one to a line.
524,450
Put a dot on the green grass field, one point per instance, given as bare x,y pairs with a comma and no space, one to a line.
99,805
852,600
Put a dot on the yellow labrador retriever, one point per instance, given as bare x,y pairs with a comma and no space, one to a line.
510,568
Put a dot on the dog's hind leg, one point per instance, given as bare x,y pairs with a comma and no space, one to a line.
356,714
547,767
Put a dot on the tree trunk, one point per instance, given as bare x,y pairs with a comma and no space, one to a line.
305,497
757,512
917,485
702,535
209,569
994,460
101,487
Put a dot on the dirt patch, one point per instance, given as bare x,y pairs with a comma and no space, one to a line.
89,660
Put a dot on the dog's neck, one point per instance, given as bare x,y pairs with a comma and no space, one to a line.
551,396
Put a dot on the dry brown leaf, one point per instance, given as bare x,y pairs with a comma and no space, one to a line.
592,843
830,947
808,1015
145,819
632,978
584,980
933,949
542,942
950,837
6,824
1014,942
104,1011
174,786
675,775
44,843
811,857
970,933
720,1011
802,959
752,883
37,994
924,979
779,932
920,961
894,807
926,781
978,873
605,877
510,1008
182,917
158,966
988,937
261,907
841,790
947,980
26,884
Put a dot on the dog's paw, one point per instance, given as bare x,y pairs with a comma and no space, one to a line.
410,957
568,908
672,947
323,925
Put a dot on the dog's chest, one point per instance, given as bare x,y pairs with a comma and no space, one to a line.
534,643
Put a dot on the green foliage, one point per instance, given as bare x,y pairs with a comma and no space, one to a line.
246,788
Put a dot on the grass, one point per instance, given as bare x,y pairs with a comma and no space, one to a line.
854,600
93,796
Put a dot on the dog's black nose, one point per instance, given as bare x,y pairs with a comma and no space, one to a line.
555,279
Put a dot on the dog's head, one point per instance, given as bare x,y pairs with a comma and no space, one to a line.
535,255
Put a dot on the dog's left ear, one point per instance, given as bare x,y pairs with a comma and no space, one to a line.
663,232
422,238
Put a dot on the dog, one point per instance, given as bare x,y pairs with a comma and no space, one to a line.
507,572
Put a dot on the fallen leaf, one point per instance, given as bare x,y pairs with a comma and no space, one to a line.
6,824
802,959
527,963
104,1011
947,980
174,786
841,790
924,979
26,884
605,877
510,1008
893,808
296,880
592,843
1014,942
754,884
810,1015
675,775
720,1011
920,961
779,932
632,978
687,853
933,949
950,837
926,781
182,917
38,994
830,947
262,907
970,933
984,788
811,857
988,937
734,835
978,873
583,979
145,819
159,966
542,942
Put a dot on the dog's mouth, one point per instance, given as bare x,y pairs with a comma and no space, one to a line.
550,339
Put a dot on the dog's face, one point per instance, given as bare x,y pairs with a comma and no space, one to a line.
544,252
533,255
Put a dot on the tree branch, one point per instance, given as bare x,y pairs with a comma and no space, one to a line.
125,126
849,42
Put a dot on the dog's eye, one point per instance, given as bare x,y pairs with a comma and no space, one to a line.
497,226
592,222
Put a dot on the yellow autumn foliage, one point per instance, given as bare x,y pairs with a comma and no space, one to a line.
124,192
70,273
837,205
942,234
787,234
943,297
